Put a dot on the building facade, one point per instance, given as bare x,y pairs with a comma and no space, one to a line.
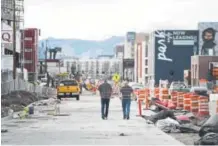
98,68
129,54
30,49
141,58
119,51
171,51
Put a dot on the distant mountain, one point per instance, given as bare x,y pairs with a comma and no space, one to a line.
81,48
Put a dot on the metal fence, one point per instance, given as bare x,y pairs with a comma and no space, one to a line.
8,85
19,84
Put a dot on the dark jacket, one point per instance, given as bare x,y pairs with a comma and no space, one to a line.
105,90
126,91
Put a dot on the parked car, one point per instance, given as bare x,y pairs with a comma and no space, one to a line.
68,88
178,86
203,91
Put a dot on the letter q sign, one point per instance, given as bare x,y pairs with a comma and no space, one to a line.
6,37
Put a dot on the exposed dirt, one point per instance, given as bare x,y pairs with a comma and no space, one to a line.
17,100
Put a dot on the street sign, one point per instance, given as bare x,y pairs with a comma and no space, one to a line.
116,77
7,36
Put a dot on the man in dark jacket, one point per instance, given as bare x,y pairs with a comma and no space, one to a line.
126,92
105,90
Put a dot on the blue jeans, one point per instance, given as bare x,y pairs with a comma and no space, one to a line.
126,102
104,107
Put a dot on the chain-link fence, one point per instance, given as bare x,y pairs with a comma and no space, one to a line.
19,84
8,85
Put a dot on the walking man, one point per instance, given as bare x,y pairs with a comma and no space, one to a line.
105,90
126,92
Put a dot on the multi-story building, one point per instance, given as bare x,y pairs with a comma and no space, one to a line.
129,54
119,51
7,21
30,49
141,58
101,66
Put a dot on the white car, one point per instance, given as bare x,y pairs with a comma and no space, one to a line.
177,85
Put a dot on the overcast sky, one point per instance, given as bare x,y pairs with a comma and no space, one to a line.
99,19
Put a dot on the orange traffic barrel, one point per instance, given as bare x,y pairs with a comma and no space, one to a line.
141,97
194,103
180,100
186,102
164,94
156,92
203,106
174,96
217,106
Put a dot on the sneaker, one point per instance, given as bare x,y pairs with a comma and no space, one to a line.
105,118
127,118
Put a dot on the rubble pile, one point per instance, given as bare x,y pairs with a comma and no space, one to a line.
203,129
17,100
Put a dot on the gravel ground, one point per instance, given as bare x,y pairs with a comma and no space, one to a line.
17,100
186,138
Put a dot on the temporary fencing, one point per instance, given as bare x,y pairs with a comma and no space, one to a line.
19,84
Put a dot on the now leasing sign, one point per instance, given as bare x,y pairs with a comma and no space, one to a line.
167,40
173,51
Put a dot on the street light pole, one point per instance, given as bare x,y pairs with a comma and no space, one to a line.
14,42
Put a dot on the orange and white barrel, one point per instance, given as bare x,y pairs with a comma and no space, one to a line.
217,106
164,94
186,102
203,106
147,94
174,96
156,92
194,103
141,94
180,100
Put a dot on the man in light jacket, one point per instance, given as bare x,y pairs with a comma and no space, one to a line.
126,92
105,90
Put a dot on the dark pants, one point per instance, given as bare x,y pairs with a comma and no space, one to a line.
104,107
126,102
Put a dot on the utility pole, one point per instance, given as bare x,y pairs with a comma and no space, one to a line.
14,42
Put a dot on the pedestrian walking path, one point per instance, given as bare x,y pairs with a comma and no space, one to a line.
84,126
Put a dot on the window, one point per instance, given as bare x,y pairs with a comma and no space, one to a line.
28,50
69,83
146,70
146,79
146,51
28,39
28,61
146,62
